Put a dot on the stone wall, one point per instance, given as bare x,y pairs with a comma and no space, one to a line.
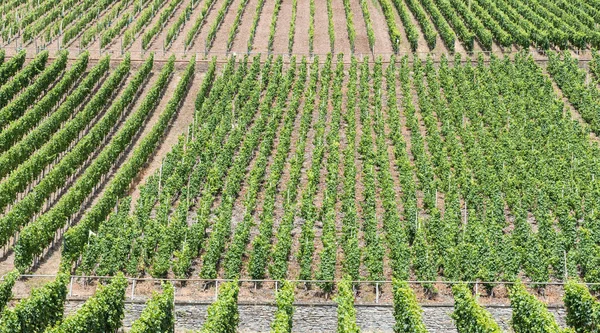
255,318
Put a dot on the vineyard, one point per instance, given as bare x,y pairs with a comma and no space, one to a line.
222,27
394,154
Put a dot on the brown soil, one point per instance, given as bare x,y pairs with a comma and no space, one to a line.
240,43
7,263
219,45
302,24
382,36
198,44
261,39
361,42
342,41
50,264
178,44
321,41
280,41
159,42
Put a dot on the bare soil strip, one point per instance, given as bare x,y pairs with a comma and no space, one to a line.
382,44
240,43
178,44
361,42
321,41
282,29
342,41
302,24
261,39
219,45
199,44
159,42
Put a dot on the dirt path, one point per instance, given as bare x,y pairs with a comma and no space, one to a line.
50,263
321,42
382,44
178,44
261,39
159,42
361,42
280,44
135,48
197,45
342,41
240,42
302,24
7,263
219,45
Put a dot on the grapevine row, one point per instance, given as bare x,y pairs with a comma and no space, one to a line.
165,15
308,209
328,256
17,107
20,128
76,237
33,202
32,242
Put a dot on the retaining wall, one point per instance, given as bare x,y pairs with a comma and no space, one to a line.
256,318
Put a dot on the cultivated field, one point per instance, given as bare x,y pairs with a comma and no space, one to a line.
307,27
394,151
